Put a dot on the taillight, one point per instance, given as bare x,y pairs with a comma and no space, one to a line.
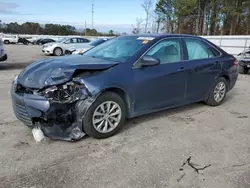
236,63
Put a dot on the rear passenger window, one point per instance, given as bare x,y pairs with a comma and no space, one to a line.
198,49
74,40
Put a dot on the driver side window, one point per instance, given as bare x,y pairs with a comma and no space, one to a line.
167,51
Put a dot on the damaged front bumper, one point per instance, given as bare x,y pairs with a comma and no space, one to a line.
56,120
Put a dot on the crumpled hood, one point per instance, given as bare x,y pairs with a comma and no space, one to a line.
48,72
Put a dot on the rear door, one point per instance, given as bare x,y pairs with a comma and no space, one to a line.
203,65
72,42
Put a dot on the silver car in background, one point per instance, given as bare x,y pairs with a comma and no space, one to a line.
58,48
91,45
3,54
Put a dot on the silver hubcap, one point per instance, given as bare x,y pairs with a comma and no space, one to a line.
219,91
106,116
58,52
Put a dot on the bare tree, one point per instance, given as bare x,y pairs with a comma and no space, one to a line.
136,29
147,6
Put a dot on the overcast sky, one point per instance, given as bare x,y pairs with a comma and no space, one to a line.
108,14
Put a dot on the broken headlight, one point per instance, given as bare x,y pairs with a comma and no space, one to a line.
66,93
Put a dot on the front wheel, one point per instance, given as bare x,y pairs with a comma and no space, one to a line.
57,51
218,92
105,116
6,42
243,70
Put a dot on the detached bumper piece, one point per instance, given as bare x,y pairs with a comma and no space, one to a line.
245,63
56,120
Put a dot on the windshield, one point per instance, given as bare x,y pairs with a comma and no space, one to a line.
97,42
118,49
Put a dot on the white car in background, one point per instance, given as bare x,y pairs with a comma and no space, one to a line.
3,55
58,48
10,39
92,44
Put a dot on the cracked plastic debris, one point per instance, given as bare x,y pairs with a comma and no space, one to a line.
63,120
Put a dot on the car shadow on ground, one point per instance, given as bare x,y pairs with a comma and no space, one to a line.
199,107
165,113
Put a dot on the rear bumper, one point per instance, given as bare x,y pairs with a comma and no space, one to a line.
233,78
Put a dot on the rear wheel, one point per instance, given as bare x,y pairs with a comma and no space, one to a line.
218,92
243,70
57,51
105,116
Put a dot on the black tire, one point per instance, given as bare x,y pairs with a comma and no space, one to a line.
6,42
243,70
211,99
88,126
4,58
55,51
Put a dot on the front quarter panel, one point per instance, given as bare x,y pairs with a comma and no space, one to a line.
118,77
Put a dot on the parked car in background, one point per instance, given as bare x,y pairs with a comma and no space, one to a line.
44,41
244,61
125,77
59,47
3,55
15,39
23,40
80,50
10,39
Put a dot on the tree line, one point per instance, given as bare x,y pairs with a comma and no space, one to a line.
48,29
204,17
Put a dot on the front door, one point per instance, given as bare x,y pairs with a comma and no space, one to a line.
161,85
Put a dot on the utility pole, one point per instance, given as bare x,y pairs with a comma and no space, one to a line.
92,14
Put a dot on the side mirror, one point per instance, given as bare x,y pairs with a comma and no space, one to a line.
149,61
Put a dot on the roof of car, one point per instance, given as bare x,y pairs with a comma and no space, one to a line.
162,35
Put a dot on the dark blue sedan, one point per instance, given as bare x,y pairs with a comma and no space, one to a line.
94,93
